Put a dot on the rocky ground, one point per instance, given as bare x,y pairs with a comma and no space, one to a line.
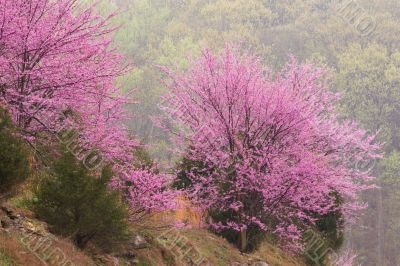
25,240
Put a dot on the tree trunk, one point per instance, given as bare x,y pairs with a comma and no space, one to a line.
243,240
81,240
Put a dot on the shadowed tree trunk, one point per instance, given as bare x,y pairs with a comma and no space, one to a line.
243,240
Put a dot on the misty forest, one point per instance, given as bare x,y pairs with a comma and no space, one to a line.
200,132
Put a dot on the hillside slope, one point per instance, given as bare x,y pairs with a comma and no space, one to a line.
27,241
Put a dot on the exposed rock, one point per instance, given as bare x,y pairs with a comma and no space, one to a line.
131,259
139,242
129,255
9,212
5,223
106,260
260,263
14,216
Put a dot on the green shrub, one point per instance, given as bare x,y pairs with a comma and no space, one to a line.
14,156
184,167
329,231
80,205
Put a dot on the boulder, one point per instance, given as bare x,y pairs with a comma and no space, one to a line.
9,212
260,263
5,223
139,242
129,255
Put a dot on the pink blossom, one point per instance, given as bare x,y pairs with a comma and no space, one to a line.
58,72
273,145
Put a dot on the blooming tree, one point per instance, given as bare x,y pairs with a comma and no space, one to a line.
55,58
273,151
58,72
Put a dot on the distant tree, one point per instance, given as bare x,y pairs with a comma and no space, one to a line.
389,169
369,79
276,153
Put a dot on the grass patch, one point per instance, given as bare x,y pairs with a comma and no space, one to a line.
6,260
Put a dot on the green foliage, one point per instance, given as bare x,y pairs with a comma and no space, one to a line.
331,228
143,159
369,77
331,225
14,156
78,204
390,189
254,235
329,232
5,260
182,180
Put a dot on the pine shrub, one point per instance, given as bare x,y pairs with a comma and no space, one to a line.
79,205
14,156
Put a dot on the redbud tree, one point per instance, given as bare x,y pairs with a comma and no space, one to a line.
273,151
56,58
57,74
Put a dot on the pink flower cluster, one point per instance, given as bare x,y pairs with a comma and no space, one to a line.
272,144
57,73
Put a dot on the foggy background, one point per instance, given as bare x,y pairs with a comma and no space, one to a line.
358,41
